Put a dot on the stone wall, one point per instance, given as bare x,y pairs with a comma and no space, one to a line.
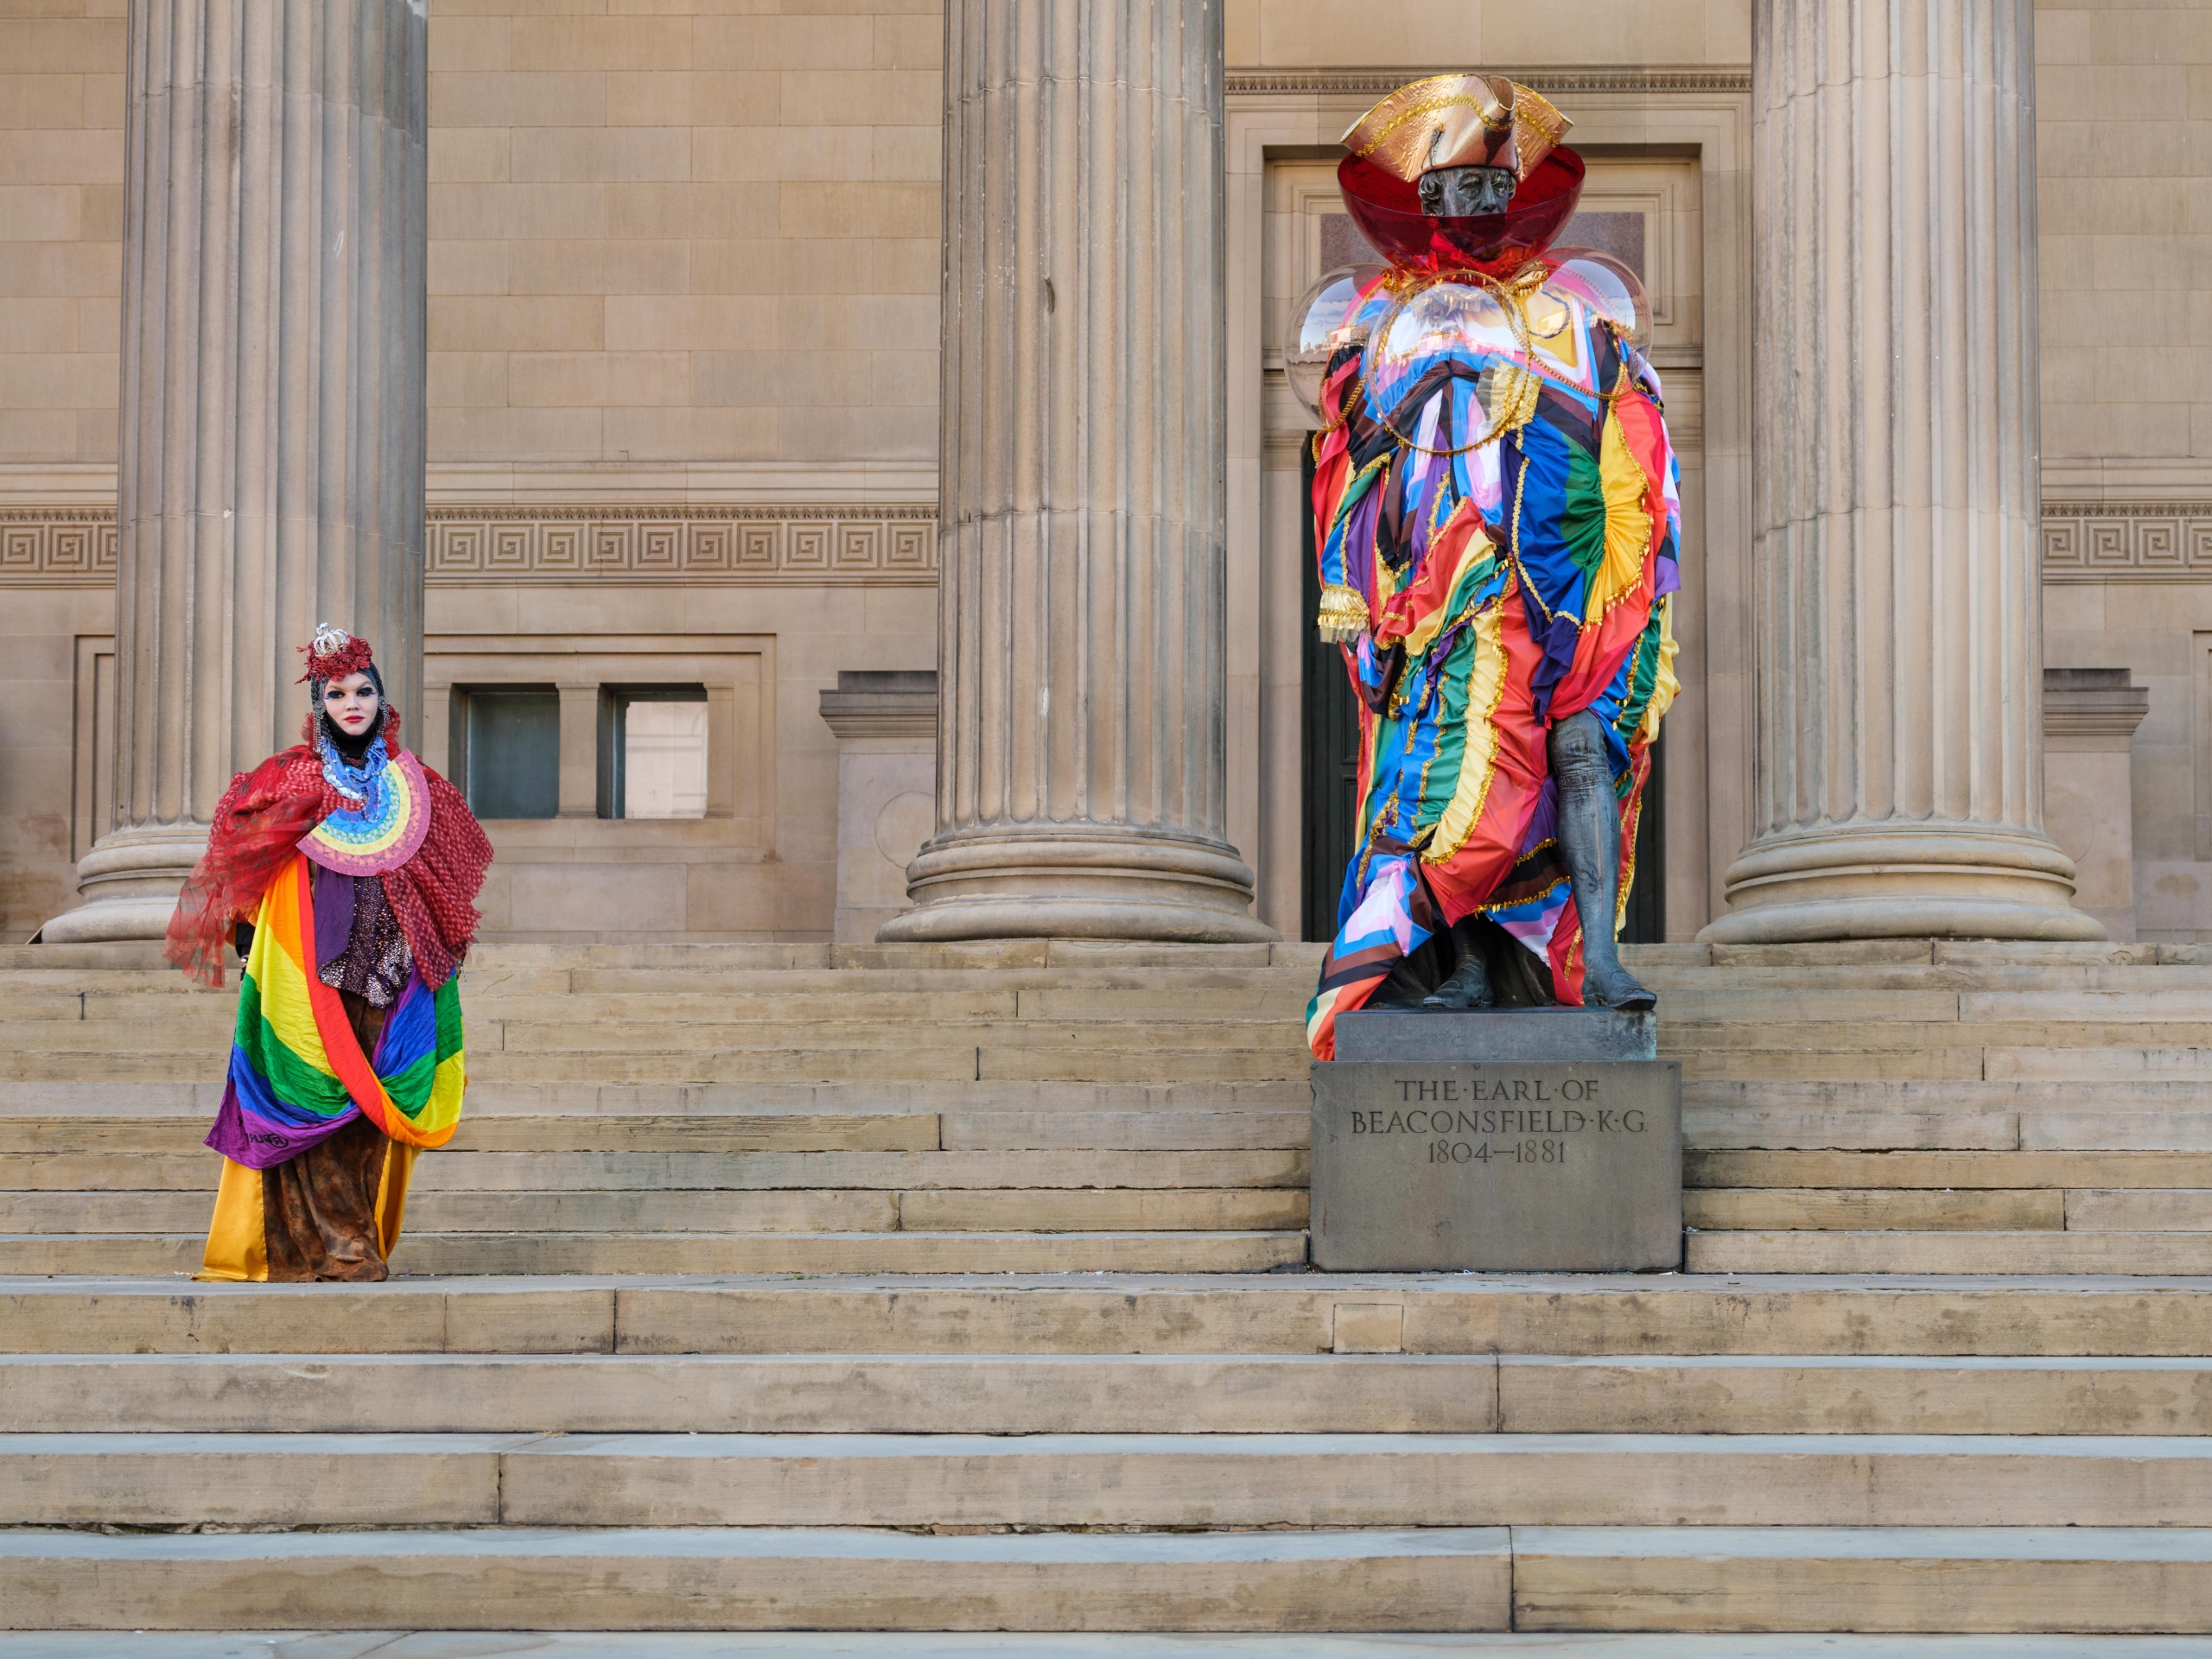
2124,139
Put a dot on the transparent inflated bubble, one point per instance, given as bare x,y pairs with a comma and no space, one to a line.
1327,318
1603,284
1449,320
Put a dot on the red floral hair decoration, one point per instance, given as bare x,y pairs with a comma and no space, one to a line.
333,655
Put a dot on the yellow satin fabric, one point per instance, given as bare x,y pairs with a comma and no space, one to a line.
238,1249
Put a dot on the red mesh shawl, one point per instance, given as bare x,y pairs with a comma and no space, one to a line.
257,827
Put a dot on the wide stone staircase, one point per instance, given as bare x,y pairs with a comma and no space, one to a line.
962,1288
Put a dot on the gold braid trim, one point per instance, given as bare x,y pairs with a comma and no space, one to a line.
1343,614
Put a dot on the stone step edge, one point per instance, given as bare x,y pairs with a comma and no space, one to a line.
1493,1578
1326,1362
836,1445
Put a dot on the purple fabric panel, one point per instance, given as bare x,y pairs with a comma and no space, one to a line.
1559,638
259,1143
1543,821
1359,544
332,896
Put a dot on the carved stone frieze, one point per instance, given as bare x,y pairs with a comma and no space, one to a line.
76,546
58,547
2126,541
682,542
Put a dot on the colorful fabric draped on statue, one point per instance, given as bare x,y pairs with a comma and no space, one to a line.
1496,513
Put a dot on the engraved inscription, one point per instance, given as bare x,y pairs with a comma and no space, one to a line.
1569,1165
1540,1111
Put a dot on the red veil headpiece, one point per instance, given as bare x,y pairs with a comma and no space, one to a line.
334,654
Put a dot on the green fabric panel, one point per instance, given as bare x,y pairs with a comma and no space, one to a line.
411,1088
1643,678
291,1078
1441,782
1582,514
447,1004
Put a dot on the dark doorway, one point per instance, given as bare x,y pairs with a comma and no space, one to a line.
1646,921
1331,757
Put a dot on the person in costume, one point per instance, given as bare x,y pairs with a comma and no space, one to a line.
1497,515
345,872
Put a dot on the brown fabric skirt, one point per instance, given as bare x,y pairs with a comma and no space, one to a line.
331,1213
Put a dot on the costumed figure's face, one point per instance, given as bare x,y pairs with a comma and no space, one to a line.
352,704
1466,192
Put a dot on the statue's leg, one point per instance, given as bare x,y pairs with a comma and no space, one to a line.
1468,986
1590,837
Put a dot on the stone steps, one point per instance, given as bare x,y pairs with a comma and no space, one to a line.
915,1394
68,1099
797,1210
661,1251
1696,1579
737,1578
1949,1252
34,1143
1291,1314
1154,1481
890,1181
916,1645
1683,1579
1075,1451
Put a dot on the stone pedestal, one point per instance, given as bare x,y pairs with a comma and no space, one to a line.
1898,600
1497,1034
1081,744
2089,717
1527,1140
885,724
270,476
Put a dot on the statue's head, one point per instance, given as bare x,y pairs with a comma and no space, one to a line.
1466,141
1462,192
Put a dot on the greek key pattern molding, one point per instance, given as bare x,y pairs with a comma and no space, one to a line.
2126,541
75,546
58,547
2082,541
683,544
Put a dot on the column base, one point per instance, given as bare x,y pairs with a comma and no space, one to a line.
129,882
1883,882
1091,882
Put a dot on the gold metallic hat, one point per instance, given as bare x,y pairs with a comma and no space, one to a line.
1458,121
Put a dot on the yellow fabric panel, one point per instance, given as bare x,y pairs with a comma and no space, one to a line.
447,1084
1627,526
238,1249
1485,685
1664,688
392,1194
282,980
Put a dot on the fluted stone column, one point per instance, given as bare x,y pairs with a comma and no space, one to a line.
1900,734
274,237
1081,729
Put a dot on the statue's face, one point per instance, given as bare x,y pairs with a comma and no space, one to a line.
1465,192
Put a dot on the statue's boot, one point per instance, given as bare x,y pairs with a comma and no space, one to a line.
1468,986
1590,838
1401,991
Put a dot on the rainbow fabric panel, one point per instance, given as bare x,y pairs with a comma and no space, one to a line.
297,1075
382,833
